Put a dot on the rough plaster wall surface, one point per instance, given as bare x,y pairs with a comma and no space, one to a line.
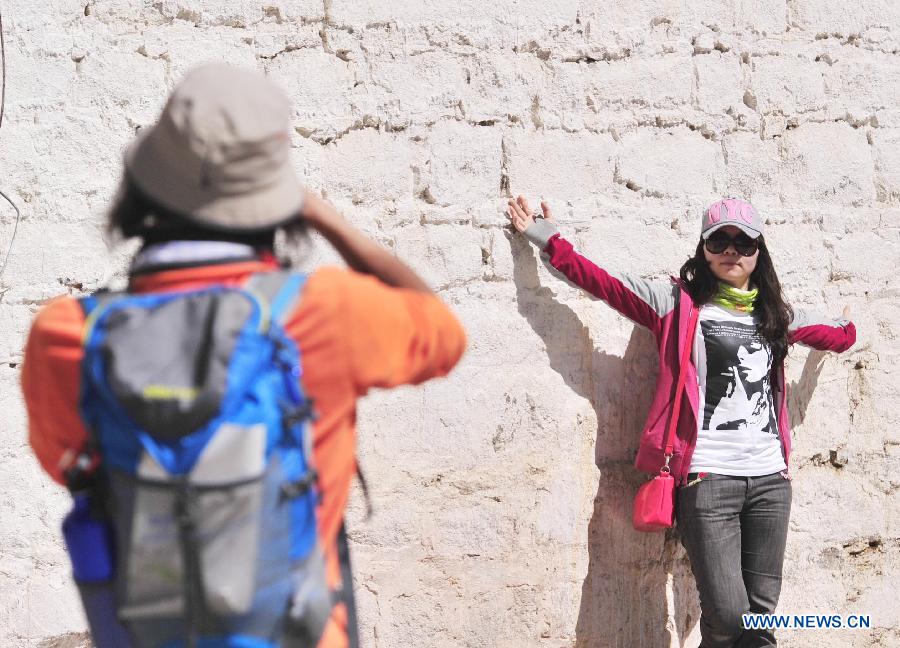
503,492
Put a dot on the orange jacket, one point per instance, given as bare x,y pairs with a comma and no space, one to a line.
353,333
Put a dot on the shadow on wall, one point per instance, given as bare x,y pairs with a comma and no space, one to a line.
69,640
800,392
623,597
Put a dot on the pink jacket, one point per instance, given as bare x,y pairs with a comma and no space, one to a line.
665,308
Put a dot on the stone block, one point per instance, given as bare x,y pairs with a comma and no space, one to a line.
829,17
418,87
764,17
502,86
368,166
45,253
810,172
868,257
271,40
756,16
861,84
720,83
558,166
819,490
462,165
245,14
444,255
324,108
787,85
475,16
669,162
753,168
886,145
640,84
801,260
561,100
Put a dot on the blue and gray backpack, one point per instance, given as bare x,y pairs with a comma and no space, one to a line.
194,406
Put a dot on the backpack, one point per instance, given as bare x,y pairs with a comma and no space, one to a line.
193,403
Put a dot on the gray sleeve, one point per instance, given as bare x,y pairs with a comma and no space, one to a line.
641,300
661,296
804,318
540,232
819,332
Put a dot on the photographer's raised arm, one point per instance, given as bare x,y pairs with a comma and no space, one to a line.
395,329
359,251
642,301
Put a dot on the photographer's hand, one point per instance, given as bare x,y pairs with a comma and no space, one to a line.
359,251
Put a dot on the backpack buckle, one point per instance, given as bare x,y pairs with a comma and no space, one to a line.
298,414
295,489
81,474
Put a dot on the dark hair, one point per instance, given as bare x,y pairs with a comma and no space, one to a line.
774,313
135,214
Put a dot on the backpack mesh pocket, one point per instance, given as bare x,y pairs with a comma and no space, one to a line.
191,551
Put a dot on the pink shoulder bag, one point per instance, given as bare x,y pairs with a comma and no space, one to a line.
654,504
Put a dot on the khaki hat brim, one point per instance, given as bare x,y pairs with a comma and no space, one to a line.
156,173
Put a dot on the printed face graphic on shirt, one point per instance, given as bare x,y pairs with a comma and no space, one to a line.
738,391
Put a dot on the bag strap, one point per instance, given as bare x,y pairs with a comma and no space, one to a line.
83,473
288,296
345,594
668,442
280,289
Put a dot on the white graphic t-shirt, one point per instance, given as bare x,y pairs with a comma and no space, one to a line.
737,428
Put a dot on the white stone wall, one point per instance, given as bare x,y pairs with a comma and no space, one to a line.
503,493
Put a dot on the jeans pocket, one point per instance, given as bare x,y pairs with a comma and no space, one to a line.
691,497
695,478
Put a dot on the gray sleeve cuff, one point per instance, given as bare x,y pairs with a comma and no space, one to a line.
804,317
540,232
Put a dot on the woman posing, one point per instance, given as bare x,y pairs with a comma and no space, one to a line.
732,445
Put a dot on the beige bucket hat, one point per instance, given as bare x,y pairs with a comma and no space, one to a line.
220,152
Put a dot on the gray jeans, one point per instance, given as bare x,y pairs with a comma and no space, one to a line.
734,530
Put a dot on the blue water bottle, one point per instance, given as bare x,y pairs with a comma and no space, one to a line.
89,541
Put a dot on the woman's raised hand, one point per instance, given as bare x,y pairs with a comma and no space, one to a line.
520,214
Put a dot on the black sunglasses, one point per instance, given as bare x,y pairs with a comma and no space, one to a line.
743,244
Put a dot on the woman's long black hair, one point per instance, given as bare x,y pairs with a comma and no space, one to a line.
774,313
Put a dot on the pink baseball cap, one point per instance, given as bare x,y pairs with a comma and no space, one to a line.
731,211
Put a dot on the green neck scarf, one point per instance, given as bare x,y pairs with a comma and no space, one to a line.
735,298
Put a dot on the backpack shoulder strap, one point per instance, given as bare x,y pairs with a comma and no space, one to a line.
93,306
89,303
281,290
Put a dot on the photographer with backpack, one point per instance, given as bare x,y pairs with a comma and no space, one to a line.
204,418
